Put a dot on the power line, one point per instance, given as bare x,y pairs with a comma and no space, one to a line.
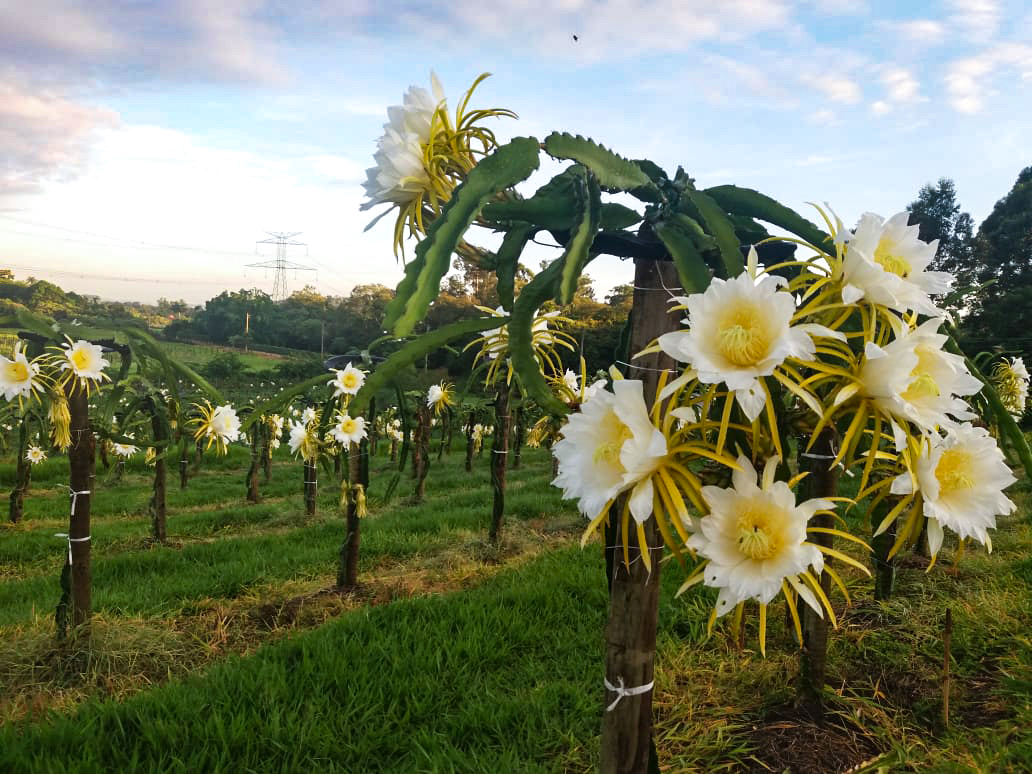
139,243
282,240
132,244
135,243
110,277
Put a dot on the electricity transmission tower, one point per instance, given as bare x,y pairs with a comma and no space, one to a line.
280,264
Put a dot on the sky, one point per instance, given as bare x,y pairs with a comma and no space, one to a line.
147,147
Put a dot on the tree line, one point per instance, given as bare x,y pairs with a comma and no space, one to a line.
992,302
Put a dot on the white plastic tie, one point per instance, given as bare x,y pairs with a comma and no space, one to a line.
70,541
810,456
621,692
75,497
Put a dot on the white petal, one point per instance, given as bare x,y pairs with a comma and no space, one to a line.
851,294
902,485
640,501
807,595
751,399
846,393
935,536
820,330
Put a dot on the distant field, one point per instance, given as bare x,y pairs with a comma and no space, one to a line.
196,355
193,355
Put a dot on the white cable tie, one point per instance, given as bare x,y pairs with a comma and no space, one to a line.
70,541
500,451
817,456
75,497
621,692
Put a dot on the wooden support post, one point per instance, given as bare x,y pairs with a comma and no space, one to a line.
421,451
470,422
158,503
822,482
634,592
311,472
357,481
22,475
499,461
81,461
253,495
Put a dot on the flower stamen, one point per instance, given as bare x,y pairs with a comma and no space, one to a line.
952,472
742,345
890,261
756,537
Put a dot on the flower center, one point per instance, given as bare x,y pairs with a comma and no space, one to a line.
890,261
757,536
347,426
953,471
80,360
608,452
742,340
350,380
923,386
18,371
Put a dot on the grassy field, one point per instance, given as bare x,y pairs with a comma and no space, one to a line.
228,649
196,355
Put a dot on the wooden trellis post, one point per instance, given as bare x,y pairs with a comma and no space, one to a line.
634,591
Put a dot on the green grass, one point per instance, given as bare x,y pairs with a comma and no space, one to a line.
197,355
432,684
500,673
222,547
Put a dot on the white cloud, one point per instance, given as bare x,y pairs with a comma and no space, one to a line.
840,7
604,28
719,80
824,117
921,32
56,25
976,19
338,169
159,186
970,80
881,107
900,85
72,40
837,88
43,136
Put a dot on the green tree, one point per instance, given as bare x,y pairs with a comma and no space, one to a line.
936,212
1003,248
621,297
1004,243
357,319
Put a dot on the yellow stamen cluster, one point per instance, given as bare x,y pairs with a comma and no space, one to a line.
952,471
60,421
889,261
923,386
757,534
1011,385
451,151
742,341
